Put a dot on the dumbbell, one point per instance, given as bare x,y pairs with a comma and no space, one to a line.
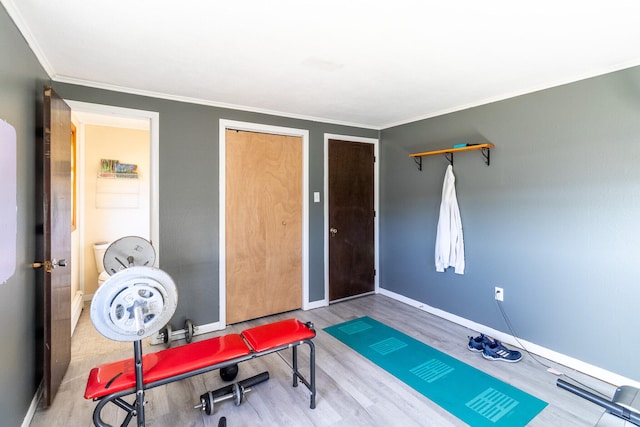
235,391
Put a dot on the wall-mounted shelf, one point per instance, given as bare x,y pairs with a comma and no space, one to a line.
448,153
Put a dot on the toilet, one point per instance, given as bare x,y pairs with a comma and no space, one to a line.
99,250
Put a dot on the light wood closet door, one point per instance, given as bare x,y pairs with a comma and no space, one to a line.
263,224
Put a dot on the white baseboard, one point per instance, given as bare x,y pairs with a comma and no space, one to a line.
562,359
76,310
26,422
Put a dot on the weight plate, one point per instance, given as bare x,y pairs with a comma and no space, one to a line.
134,303
238,394
127,252
166,335
207,400
189,330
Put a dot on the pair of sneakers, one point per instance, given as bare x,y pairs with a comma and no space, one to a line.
493,349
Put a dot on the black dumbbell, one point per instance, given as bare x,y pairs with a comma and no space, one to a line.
208,402
235,391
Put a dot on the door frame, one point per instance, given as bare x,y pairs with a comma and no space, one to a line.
376,198
107,115
222,268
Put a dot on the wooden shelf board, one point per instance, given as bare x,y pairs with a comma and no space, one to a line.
453,150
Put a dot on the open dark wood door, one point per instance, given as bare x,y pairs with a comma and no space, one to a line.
351,219
56,202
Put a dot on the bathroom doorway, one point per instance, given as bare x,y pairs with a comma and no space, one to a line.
116,190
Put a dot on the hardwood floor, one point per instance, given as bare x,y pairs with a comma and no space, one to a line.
351,391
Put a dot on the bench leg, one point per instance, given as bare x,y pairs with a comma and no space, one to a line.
311,384
294,361
312,373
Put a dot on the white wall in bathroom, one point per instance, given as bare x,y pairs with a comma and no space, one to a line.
118,216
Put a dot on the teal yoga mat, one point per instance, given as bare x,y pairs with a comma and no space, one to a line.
473,396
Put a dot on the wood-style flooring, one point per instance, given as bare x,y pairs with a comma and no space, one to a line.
351,391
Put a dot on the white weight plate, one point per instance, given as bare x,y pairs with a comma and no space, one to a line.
134,303
128,252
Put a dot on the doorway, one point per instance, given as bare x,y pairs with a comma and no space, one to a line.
101,201
351,221
303,187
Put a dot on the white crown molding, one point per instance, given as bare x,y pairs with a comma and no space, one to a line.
509,95
199,101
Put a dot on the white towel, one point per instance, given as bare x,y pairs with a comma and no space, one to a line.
449,241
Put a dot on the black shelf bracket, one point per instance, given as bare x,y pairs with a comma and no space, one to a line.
486,153
449,157
418,161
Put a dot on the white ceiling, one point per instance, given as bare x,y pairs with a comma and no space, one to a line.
369,63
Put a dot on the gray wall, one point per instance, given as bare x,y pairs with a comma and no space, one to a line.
553,220
189,192
21,85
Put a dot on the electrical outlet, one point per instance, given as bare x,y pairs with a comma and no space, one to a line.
499,294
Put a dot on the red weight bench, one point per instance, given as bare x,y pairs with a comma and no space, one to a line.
113,381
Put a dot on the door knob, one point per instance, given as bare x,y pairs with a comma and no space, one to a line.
333,231
50,265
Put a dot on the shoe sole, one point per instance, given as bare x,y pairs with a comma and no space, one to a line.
500,359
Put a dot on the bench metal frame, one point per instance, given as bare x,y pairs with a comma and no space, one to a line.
136,409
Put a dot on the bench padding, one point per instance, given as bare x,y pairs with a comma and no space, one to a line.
277,334
117,376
